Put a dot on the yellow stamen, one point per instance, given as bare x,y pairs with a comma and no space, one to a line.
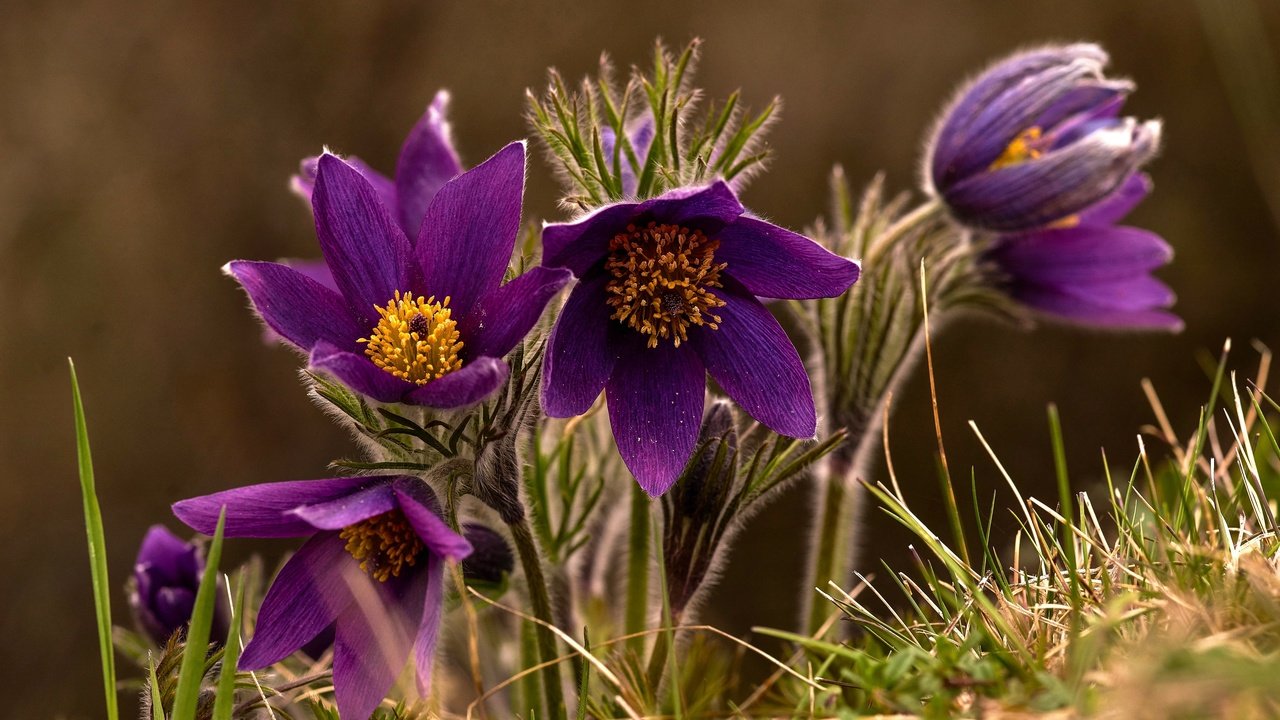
416,339
384,544
662,280
1022,149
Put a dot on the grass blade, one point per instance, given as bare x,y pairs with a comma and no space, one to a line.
197,645
97,550
226,697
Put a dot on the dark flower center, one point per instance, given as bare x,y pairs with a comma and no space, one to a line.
384,544
416,339
662,276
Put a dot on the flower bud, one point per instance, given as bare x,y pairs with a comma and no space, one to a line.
1036,139
490,561
166,577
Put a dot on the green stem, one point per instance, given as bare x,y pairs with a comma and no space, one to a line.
831,554
637,610
540,603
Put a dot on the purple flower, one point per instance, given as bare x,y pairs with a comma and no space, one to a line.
1035,139
667,292
166,577
371,570
423,321
1091,271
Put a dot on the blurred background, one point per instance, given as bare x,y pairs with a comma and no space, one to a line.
143,145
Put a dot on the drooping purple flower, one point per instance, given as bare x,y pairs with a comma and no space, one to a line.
371,571
1035,139
423,321
491,560
1092,271
667,292
166,578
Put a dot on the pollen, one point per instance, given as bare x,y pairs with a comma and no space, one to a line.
384,544
662,277
416,339
1023,148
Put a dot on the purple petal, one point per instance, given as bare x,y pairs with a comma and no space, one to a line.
305,181
372,639
1113,208
580,244
503,317
707,208
296,307
580,356
315,269
424,645
427,161
418,503
1137,293
655,399
1070,307
472,383
165,554
362,243
1081,254
470,229
1057,185
777,263
266,510
350,509
359,373
753,360
310,592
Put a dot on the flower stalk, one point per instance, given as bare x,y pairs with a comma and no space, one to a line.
540,604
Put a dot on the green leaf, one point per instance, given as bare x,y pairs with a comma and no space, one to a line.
226,697
157,704
97,549
197,644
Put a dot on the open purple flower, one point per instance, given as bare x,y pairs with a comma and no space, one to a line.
1091,271
423,321
371,570
667,292
1035,139
166,578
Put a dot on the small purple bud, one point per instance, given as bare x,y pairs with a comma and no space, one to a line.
490,561
1036,139
166,577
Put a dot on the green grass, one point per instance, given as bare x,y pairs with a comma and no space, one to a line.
97,549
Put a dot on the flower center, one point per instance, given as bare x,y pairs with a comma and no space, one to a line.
1023,148
416,339
384,544
662,280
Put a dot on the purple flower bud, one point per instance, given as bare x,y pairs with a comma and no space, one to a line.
166,578
490,561
1036,139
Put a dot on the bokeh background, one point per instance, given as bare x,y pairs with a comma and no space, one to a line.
144,144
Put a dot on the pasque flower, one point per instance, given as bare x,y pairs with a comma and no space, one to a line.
1035,139
667,292
371,570
423,321
1092,271
166,578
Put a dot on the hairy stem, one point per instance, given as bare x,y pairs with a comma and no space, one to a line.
637,610
540,603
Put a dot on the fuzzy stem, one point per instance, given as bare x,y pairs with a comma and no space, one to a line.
837,493
637,610
540,603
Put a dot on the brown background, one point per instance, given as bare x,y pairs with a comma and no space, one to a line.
144,144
